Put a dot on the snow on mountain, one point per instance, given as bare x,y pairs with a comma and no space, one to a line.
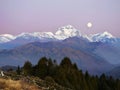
44,34
66,32
87,38
102,37
36,36
25,36
6,38
61,34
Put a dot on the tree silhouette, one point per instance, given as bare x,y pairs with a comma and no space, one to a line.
27,68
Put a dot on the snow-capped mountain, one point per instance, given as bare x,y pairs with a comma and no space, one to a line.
39,35
6,38
43,35
61,34
102,37
35,36
66,32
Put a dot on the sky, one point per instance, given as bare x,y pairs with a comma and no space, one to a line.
17,16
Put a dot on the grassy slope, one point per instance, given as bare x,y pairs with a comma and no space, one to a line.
8,84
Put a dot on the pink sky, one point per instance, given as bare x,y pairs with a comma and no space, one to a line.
17,16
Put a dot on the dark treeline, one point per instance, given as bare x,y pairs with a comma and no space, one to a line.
68,75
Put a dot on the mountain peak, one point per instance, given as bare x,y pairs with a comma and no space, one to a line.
103,37
109,35
25,35
7,35
66,32
43,34
68,27
62,33
6,38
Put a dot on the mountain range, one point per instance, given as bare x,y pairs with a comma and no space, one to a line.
96,53
61,34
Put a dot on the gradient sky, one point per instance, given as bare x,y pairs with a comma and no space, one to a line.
17,16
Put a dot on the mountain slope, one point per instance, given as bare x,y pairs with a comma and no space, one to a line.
56,50
109,52
115,72
92,53
24,38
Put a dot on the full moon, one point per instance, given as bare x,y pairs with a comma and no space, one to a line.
89,24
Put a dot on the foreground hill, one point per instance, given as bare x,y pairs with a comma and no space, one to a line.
28,83
8,84
47,75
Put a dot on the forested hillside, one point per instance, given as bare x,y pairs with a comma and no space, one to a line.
68,75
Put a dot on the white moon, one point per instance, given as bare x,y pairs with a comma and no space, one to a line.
89,24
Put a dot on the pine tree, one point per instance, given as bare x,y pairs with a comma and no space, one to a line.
42,68
18,70
66,63
27,68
